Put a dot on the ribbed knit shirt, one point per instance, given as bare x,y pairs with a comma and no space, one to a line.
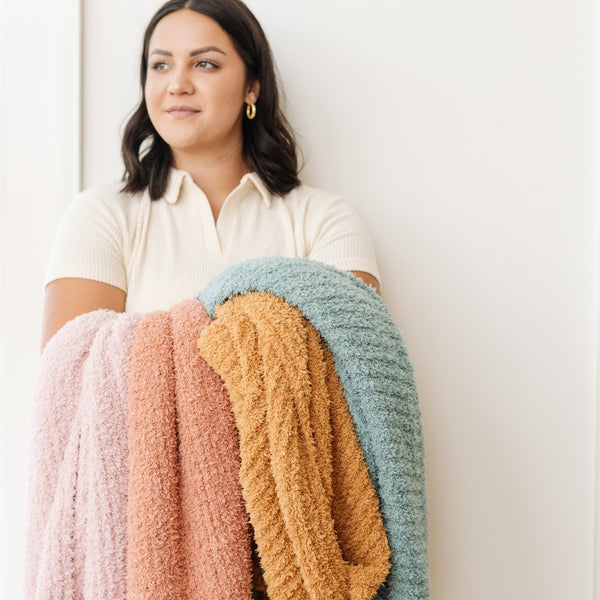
164,251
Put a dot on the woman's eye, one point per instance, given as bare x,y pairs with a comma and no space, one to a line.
159,66
206,64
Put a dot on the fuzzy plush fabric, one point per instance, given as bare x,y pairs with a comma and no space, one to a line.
314,511
187,523
78,528
77,491
376,375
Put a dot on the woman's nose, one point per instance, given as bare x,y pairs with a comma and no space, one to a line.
180,83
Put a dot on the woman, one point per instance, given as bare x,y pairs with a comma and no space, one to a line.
210,178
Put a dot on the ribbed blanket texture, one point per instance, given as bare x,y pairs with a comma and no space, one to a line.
187,523
76,537
373,365
314,511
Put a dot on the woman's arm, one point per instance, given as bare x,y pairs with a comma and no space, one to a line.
368,279
67,298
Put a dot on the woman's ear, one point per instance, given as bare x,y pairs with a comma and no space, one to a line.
253,92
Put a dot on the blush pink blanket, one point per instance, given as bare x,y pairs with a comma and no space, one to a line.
77,494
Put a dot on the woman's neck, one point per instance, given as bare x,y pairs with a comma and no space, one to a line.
215,176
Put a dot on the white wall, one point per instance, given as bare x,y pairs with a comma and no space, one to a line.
467,135
38,173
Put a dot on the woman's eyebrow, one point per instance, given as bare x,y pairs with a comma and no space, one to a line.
192,53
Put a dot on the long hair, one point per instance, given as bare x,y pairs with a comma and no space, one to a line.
269,146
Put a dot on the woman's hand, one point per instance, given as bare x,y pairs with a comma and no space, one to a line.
67,298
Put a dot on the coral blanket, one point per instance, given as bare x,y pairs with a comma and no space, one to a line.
188,527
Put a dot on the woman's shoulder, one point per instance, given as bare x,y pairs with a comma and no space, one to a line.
109,197
332,230
313,203
105,206
319,204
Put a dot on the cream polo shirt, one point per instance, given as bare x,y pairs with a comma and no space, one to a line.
161,252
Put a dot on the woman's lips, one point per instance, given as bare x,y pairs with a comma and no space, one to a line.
181,112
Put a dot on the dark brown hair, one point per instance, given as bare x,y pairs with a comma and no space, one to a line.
269,146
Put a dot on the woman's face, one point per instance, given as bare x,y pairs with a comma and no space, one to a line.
196,85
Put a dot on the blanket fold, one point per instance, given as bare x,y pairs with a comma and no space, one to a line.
373,366
187,524
312,505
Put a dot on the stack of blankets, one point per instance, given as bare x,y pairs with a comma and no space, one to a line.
260,441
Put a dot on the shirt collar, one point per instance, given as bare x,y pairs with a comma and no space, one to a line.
178,176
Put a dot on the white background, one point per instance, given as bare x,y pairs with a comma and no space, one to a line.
466,133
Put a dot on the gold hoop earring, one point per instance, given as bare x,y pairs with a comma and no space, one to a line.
251,110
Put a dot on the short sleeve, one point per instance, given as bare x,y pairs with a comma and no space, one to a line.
89,243
337,235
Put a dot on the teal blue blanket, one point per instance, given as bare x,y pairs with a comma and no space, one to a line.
376,374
